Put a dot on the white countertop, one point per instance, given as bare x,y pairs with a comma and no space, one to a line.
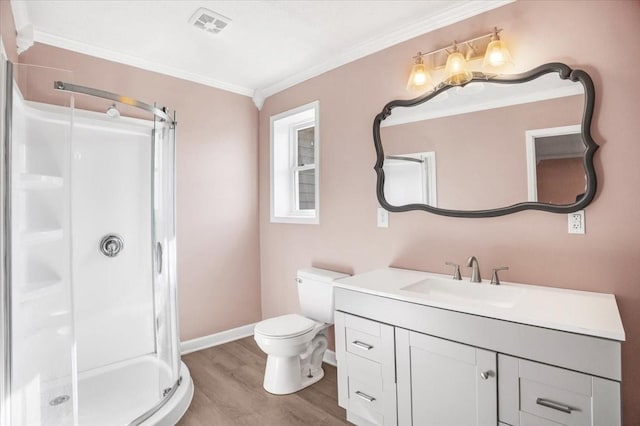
582,312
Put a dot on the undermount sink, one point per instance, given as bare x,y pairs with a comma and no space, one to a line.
464,292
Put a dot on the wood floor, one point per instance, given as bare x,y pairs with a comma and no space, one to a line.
228,391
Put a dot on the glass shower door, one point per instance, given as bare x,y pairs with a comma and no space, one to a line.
38,286
164,249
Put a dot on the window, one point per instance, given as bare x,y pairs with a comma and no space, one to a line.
294,165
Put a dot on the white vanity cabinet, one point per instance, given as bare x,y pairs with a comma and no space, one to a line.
404,363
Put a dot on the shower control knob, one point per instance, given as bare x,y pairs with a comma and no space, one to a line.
111,245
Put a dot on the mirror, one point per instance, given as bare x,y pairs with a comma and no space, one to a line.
494,146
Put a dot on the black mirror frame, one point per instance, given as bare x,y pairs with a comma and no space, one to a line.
565,72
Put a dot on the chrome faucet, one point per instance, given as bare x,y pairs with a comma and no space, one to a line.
475,269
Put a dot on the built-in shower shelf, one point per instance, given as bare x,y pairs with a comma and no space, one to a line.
39,289
39,236
36,181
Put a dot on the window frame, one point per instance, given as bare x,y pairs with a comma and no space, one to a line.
284,196
296,168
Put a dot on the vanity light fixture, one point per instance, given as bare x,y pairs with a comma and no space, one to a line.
455,60
419,77
456,71
497,55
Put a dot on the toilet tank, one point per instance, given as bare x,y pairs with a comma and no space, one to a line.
315,292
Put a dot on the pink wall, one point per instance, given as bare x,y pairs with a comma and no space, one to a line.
218,260
588,35
481,159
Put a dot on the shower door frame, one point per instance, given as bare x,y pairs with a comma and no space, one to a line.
5,241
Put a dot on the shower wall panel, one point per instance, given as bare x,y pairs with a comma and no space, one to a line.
42,314
111,194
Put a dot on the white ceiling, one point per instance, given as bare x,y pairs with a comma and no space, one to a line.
269,45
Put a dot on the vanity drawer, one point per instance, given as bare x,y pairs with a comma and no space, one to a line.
363,344
555,394
363,337
534,394
365,401
563,405
365,388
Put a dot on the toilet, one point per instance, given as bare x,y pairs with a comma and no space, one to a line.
295,344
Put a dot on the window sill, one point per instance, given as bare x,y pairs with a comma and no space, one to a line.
303,220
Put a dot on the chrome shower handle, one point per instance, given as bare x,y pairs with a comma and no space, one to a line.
111,245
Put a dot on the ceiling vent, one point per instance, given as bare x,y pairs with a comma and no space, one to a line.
209,21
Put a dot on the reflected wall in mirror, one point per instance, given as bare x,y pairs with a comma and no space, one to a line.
492,147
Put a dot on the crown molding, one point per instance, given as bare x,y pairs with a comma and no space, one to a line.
20,14
110,55
24,29
450,16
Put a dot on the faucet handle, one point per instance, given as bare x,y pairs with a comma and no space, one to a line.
456,272
495,279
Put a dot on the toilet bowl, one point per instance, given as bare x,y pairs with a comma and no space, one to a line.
295,344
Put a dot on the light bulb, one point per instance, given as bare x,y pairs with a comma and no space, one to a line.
497,55
457,61
456,72
419,79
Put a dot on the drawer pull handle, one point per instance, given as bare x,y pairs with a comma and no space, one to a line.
362,345
365,396
554,405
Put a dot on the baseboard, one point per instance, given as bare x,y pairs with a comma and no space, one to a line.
216,339
330,358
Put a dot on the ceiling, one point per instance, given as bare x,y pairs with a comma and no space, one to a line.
268,46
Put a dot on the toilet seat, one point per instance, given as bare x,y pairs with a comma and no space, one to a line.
285,326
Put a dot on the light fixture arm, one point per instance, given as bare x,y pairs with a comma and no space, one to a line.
490,36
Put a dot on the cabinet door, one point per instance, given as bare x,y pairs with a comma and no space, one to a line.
444,383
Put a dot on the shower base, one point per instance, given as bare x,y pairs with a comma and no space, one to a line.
120,393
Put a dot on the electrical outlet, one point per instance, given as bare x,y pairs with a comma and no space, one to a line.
383,218
576,222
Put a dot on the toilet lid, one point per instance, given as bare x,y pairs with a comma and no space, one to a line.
291,325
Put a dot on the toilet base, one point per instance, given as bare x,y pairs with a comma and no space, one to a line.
283,375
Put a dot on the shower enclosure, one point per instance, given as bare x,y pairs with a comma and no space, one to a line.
88,296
